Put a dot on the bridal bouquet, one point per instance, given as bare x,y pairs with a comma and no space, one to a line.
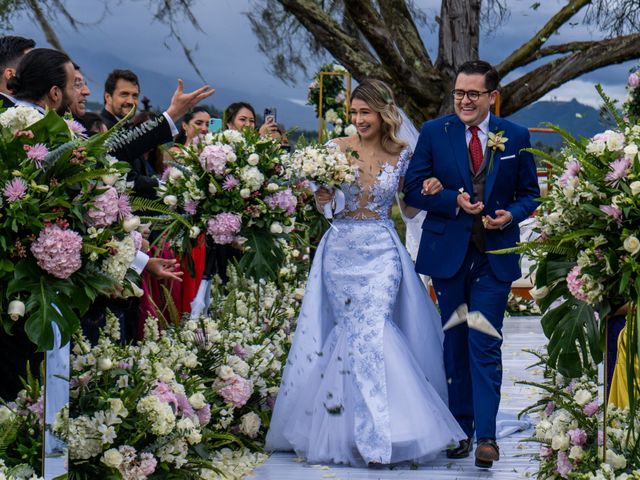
322,165
231,186
65,222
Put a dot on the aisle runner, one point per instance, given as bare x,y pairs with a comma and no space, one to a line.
519,333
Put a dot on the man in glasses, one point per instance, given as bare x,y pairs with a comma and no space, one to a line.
490,185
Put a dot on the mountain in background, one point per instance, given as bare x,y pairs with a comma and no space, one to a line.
578,119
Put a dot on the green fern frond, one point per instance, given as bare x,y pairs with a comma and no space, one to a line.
147,205
610,107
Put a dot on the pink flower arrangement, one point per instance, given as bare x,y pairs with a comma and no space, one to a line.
284,200
577,436
58,251
619,170
574,284
37,153
15,190
214,158
224,227
106,208
237,391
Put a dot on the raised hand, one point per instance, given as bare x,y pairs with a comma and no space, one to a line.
164,269
182,102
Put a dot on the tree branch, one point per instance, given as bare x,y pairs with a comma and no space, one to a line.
525,53
533,85
400,23
46,27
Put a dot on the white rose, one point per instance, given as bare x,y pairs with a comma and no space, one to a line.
276,228
298,293
175,174
170,200
112,458
131,223
250,424
615,141
253,159
5,414
231,157
105,364
630,151
245,193
225,372
618,462
194,437
576,453
16,309
272,187
631,244
212,189
110,178
596,147
539,293
635,187
582,397
194,232
197,401
560,442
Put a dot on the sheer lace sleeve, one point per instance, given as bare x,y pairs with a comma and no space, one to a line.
405,158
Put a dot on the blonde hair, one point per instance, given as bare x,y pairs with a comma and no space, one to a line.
379,97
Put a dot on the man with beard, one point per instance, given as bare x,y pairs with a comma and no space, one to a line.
12,49
44,80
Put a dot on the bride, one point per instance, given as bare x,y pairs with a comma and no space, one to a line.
364,382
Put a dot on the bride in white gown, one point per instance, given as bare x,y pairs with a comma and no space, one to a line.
364,382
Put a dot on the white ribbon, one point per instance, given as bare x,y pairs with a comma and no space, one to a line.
338,201
202,299
475,320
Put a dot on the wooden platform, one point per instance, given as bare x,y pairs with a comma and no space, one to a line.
519,333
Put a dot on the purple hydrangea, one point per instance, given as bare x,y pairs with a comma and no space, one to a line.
191,206
284,200
224,227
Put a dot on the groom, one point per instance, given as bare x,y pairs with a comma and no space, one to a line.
490,185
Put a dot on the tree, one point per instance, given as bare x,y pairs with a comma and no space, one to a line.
380,38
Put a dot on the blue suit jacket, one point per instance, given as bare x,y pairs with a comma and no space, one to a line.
511,184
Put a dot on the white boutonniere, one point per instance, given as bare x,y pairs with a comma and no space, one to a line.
495,142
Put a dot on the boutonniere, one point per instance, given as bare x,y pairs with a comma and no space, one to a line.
495,142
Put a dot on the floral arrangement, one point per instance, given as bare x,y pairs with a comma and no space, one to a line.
64,209
520,306
334,100
231,186
21,472
167,407
571,435
631,106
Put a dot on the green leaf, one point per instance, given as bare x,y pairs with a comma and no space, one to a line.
264,256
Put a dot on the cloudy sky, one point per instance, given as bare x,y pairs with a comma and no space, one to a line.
227,51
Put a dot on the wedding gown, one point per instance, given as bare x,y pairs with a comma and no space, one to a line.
364,381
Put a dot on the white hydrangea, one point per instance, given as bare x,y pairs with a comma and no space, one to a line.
251,177
19,118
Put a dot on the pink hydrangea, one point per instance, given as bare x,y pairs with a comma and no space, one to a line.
213,158
164,393
191,206
618,170
58,251
577,436
591,408
37,153
563,465
224,227
105,209
15,190
184,406
574,284
204,415
133,468
284,200
237,391
230,182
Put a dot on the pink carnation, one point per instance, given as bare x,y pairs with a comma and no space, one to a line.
237,391
574,284
590,408
284,200
15,190
184,406
214,158
224,227
165,394
563,465
105,208
37,153
58,251
577,436
75,127
230,182
136,236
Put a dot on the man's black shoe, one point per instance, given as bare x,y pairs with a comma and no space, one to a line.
462,450
487,452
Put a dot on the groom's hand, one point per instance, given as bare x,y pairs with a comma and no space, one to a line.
503,218
464,202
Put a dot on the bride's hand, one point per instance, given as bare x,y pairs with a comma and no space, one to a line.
431,186
323,195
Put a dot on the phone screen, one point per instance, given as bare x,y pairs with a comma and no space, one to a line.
270,115
215,125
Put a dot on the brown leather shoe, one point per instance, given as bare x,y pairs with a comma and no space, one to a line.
462,450
487,452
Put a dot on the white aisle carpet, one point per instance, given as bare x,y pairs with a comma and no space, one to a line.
519,333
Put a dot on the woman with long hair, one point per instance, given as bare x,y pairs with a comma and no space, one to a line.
365,382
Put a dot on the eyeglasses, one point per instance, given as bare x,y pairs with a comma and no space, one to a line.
78,84
472,95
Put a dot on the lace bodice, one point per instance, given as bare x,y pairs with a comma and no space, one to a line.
374,200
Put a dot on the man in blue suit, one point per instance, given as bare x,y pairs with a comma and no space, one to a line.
490,185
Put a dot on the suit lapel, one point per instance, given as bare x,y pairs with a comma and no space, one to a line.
494,126
458,141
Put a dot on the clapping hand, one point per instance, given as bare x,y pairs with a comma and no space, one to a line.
182,102
464,202
502,218
164,269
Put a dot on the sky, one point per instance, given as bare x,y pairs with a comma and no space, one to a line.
228,56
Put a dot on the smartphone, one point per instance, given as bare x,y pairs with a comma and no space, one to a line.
270,115
215,125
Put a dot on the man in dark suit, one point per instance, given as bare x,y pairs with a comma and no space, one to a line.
490,185
12,49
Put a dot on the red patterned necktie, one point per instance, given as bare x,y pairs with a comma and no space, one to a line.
475,149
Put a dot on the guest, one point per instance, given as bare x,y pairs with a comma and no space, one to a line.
93,123
79,105
12,49
194,123
241,115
